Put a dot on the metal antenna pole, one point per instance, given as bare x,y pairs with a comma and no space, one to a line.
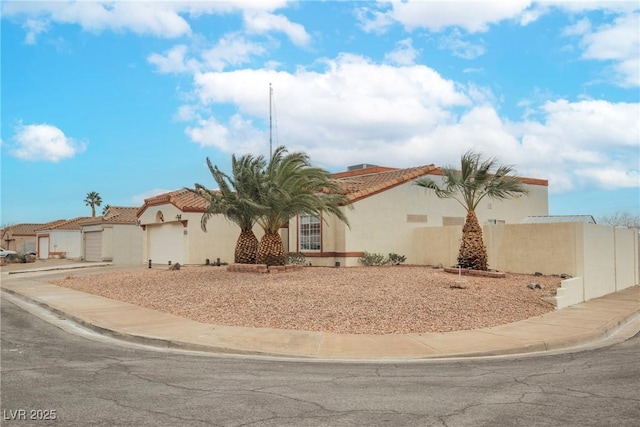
270,124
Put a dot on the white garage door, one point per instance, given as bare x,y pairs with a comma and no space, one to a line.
93,246
166,243
43,247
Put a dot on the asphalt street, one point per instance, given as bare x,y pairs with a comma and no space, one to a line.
47,372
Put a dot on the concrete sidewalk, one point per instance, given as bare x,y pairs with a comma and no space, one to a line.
579,324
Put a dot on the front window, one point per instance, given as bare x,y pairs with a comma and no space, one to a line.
309,233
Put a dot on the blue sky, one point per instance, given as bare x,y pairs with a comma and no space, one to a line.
129,98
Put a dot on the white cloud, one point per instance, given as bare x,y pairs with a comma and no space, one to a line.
232,49
356,111
159,19
43,142
584,141
618,42
173,60
264,22
461,48
403,54
472,16
237,136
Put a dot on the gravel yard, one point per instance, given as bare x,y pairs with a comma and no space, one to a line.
359,300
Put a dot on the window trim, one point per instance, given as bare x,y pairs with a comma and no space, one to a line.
298,233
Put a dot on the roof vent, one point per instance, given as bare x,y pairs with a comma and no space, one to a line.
361,166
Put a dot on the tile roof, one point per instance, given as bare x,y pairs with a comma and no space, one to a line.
115,215
363,183
183,199
357,184
72,224
29,229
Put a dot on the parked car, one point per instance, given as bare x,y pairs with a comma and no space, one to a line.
29,253
4,252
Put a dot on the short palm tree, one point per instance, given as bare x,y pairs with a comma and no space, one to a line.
290,187
105,209
235,199
93,199
476,179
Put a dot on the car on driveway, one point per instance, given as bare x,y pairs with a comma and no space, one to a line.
4,252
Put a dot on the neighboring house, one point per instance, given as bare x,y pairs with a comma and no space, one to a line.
61,240
114,237
171,231
22,237
388,209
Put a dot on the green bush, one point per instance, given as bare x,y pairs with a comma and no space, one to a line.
296,258
395,259
369,259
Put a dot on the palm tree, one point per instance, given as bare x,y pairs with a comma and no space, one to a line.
291,186
475,180
236,198
105,209
93,199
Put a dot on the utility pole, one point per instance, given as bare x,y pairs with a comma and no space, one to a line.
270,123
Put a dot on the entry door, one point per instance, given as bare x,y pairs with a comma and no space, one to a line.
43,247
166,243
93,246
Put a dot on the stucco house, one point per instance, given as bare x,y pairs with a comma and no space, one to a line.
62,239
171,231
388,209
22,237
114,236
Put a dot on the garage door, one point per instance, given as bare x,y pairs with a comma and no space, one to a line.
43,247
166,243
93,246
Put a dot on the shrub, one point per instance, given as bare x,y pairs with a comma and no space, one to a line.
16,258
395,259
296,258
370,259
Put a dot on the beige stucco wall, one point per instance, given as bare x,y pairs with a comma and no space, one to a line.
602,259
217,242
626,263
437,245
388,222
68,241
125,244
19,243
530,248
599,269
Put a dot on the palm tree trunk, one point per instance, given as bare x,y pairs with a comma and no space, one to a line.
473,253
246,248
271,250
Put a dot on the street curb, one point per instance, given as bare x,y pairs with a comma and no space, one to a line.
56,268
135,339
540,347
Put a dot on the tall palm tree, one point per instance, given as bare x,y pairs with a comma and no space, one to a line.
476,179
291,186
236,198
93,199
